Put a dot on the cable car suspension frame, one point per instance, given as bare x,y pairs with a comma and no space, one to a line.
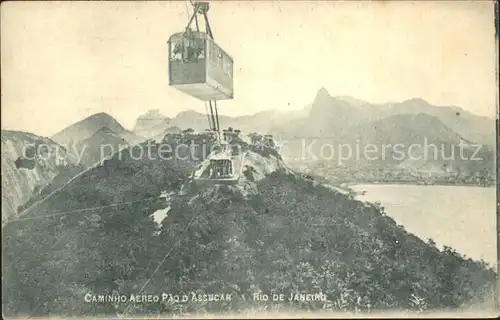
201,7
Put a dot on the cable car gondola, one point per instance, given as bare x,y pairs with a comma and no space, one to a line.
221,167
200,68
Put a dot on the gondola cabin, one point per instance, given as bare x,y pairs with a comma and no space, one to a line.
199,67
219,168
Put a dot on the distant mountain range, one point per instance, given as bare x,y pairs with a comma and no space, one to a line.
153,123
346,120
327,117
336,117
333,116
334,120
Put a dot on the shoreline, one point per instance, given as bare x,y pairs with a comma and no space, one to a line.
393,200
442,184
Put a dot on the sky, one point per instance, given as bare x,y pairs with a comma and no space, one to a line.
64,61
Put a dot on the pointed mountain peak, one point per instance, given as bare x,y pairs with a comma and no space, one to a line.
416,100
322,96
103,119
153,114
323,92
99,117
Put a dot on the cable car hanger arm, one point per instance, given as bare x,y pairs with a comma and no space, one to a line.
193,16
207,26
199,9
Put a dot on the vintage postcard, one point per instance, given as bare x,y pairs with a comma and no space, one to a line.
249,159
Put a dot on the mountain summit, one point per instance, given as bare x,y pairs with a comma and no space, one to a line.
85,138
151,124
87,127
331,116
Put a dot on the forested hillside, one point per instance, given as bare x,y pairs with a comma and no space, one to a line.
281,234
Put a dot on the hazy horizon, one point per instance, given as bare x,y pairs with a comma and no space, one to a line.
70,60
220,114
